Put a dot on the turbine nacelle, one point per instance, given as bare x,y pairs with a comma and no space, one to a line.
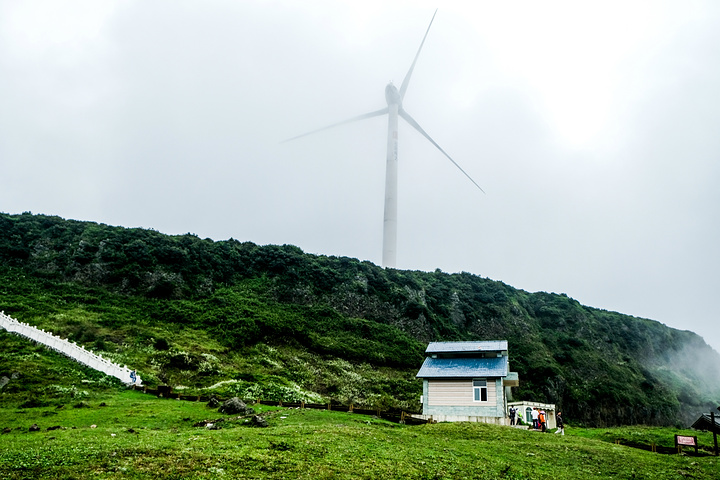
394,98
392,95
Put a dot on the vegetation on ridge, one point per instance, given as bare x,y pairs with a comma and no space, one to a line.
273,320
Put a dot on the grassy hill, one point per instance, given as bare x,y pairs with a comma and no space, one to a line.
272,321
131,435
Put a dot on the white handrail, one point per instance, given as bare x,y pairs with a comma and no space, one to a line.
70,349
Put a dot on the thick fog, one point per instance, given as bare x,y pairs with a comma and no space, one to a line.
592,126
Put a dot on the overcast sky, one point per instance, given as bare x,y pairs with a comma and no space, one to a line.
592,126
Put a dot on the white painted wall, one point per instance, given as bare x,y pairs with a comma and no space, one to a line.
458,392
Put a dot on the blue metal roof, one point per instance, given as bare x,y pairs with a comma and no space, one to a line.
457,347
463,367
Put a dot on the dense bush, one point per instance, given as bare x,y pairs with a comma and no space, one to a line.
599,367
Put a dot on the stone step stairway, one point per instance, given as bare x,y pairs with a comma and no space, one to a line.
76,352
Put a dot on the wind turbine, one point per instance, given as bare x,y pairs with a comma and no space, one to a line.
394,109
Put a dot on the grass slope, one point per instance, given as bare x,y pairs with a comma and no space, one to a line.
198,313
139,436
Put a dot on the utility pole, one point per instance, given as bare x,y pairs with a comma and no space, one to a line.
714,427
712,421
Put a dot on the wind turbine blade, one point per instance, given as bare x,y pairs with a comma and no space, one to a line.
406,81
417,127
376,113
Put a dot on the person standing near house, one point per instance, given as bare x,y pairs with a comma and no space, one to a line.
541,420
512,412
560,424
535,418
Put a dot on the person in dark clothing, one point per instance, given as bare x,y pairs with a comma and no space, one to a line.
512,415
560,424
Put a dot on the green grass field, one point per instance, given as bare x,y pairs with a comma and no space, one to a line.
140,436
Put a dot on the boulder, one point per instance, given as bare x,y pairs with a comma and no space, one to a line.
235,406
259,421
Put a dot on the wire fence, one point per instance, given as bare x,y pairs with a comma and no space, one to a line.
393,415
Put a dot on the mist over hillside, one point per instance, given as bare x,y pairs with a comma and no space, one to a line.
113,287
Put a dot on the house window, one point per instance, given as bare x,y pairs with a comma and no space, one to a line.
480,390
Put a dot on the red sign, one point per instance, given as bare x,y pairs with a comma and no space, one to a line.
682,440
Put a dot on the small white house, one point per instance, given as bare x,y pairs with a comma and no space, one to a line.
467,381
525,410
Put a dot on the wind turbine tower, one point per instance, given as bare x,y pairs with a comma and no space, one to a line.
394,109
